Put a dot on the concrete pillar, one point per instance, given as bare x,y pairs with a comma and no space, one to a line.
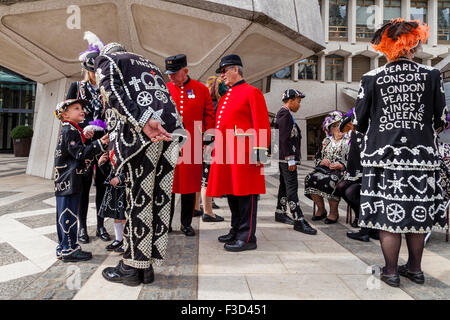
295,72
348,69
379,13
322,68
426,62
432,21
41,160
304,143
351,21
374,63
406,9
325,17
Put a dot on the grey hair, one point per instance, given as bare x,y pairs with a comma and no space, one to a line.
240,70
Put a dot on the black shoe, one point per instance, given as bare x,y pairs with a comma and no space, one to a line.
317,218
416,277
374,234
329,221
360,235
122,274
198,213
188,231
208,218
283,218
83,236
170,229
215,206
355,222
103,234
119,250
302,225
227,237
147,275
76,256
114,245
239,245
392,280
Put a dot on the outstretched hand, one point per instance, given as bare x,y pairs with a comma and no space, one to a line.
154,130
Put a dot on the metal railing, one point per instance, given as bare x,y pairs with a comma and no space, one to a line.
337,32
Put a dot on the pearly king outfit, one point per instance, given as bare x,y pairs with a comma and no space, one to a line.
324,183
70,167
134,91
399,108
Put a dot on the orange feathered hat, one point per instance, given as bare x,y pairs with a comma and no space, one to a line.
396,37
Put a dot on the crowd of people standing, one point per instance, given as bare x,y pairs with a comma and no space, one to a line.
142,135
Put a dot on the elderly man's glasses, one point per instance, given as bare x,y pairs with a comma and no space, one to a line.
225,70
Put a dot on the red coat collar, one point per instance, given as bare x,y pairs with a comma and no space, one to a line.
79,129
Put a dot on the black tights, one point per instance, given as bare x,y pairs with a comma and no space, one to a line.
390,245
350,192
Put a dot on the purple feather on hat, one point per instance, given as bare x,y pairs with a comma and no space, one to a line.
350,113
98,123
95,45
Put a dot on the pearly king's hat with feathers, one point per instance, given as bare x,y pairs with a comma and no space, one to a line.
87,58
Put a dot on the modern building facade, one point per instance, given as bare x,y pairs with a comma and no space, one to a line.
330,79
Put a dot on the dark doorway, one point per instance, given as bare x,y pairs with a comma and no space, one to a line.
315,135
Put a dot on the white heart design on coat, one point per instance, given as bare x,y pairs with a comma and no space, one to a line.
418,180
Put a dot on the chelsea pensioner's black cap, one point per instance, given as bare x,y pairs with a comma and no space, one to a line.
175,63
229,60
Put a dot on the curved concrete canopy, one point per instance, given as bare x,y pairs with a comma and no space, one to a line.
267,34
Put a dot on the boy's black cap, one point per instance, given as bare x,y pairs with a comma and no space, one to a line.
175,63
229,60
291,94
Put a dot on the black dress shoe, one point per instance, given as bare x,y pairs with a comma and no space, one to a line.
317,218
329,221
392,280
114,245
103,234
302,225
198,213
83,236
355,222
120,250
147,275
122,274
360,235
227,237
188,231
215,206
283,218
170,229
239,245
208,218
76,256
416,277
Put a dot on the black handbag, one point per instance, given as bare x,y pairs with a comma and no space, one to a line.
323,169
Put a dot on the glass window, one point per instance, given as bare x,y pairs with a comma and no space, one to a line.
419,10
334,68
307,68
392,10
284,73
338,28
365,19
17,97
444,21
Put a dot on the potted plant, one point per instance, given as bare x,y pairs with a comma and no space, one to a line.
21,136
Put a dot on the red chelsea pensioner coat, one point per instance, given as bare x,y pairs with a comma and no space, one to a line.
241,109
194,103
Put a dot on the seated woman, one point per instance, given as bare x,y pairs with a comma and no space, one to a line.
330,164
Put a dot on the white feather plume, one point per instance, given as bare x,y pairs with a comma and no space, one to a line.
93,40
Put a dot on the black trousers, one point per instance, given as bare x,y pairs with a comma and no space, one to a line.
100,186
243,216
288,192
187,208
350,192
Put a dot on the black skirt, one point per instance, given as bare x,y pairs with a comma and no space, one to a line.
402,199
323,184
114,203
